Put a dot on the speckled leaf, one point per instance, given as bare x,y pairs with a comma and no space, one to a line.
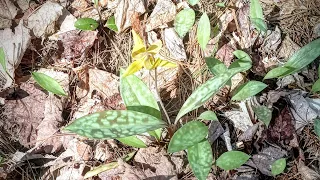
203,93
193,2
256,15
316,86
278,166
278,71
232,160
203,31
86,24
187,136
132,141
114,124
208,115
317,127
111,24
48,83
3,59
184,21
200,159
248,89
298,60
138,97
263,113
215,66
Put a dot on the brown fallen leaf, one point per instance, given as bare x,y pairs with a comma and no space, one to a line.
225,54
7,13
174,44
163,12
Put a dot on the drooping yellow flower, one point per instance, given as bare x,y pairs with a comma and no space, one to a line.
145,57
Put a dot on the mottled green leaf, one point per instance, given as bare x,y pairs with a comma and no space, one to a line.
138,97
316,86
86,24
215,66
243,63
241,55
193,2
203,93
256,15
183,22
317,127
277,72
187,136
232,160
200,159
48,83
298,60
114,124
248,89
156,133
133,141
221,4
106,167
111,24
203,31
278,166
263,113
3,59
208,115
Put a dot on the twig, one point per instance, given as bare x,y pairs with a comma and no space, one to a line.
160,101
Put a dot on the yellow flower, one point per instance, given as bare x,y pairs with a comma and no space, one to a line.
145,57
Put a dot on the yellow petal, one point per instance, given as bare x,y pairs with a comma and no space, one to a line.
155,47
163,63
138,42
149,63
133,67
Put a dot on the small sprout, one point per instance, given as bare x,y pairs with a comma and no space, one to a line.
86,24
278,166
48,83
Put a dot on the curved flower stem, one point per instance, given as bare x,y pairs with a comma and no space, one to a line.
160,101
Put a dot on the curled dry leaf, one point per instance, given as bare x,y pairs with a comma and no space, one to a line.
174,44
7,13
126,10
14,45
42,22
240,119
163,12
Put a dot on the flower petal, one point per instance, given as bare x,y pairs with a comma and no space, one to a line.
155,47
138,43
134,67
163,63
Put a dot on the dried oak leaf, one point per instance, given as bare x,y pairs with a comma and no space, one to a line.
7,13
42,22
163,12
14,45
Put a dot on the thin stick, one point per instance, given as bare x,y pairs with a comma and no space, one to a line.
160,101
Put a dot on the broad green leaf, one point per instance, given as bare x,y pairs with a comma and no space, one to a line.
215,66
200,159
263,113
317,127
277,72
86,24
187,136
232,160
203,31
48,83
132,141
106,167
138,97
183,22
243,63
221,4
114,124
208,115
316,86
193,2
203,93
241,55
259,24
278,166
256,15
248,89
298,60
111,24
3,59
